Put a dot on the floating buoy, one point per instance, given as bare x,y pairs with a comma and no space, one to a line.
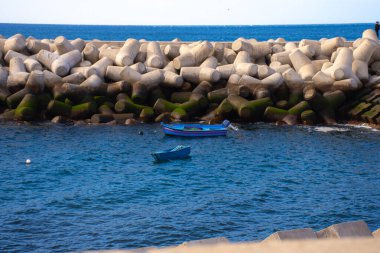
28,161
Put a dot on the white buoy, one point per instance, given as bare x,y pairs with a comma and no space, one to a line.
28,161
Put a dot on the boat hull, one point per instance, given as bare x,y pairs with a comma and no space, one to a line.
208,133
194,130
182,153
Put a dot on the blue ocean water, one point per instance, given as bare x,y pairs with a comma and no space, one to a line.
187,33
97,187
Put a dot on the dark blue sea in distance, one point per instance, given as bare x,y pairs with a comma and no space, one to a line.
187,33
97,187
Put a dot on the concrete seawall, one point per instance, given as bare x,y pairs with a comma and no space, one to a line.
343,237
114,82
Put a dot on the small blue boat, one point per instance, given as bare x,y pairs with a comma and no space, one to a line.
179,152
196,130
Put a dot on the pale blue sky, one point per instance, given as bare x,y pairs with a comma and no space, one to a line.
189,12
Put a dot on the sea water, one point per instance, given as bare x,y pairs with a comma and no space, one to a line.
187,33
97,187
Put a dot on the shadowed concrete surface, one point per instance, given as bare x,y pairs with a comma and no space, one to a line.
364,245
356,238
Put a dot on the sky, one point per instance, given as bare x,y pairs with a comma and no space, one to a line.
189,12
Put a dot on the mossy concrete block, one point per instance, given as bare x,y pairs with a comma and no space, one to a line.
282,104
154,95
58,108
25,113
224,108
122,117
335,98
308,117
83,111
163,117
295,98
299,108
180,97
295,234
179,114
162,106
217,96
258,107
147,114
346,229
99,100
106,108
274,114
359,109
191,107
14,99
371,96
371,115
43,100
125,104
376,101
8,115
240,106
316,100
139,93
101,118
4,93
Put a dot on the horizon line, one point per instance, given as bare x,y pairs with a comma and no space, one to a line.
312,24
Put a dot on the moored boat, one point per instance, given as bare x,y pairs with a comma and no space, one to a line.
179,152
196,130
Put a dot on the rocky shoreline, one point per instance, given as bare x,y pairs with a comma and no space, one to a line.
308,82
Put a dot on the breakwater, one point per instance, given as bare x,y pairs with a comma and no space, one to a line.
277,81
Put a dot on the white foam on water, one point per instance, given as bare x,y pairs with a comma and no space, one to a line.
327,129
361,126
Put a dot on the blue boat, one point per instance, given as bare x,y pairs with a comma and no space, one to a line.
179,152
196,130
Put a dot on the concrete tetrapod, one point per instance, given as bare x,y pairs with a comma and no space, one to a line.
275,114
63,64
342,67
125,104
101,118
83,111
36,82
15,43
62,45
155,57
302,65
127,53
346,229
223,111
27,108
35,46
198,74
91,53
362,56
180,97
58,108
295,85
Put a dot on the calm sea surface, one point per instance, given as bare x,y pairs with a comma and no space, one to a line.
187,33
97,187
